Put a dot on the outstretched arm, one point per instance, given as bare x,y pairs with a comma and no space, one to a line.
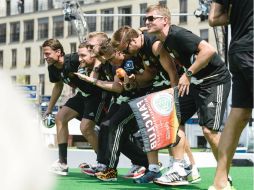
112,86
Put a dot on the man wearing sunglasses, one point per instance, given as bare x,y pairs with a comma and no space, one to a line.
132,42
200,60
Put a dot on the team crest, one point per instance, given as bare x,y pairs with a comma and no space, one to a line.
162,103
128,65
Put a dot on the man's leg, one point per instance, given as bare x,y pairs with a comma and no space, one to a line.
213,138
237,120
62,118
87,129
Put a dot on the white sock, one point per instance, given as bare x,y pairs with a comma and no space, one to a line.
154,168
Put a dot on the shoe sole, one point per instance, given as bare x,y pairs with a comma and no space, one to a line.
111,179
171,184
195,180
135,177
90,174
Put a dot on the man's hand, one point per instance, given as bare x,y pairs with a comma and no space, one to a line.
184,85
47,112
83,77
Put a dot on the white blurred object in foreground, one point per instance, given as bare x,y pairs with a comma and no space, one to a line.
24,161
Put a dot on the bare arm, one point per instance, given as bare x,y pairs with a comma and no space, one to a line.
144,79
94,73
112,86
218,16
56,92
205,54
166,62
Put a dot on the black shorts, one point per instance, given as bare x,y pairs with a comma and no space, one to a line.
211,103
92,107
187,107
241,68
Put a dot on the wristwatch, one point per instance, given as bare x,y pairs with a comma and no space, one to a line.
189,73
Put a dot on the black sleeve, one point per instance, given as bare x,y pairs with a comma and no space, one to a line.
187,41
54,75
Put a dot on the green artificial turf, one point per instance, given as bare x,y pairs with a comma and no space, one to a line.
242,180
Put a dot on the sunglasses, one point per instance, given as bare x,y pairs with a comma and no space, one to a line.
152,18
126,50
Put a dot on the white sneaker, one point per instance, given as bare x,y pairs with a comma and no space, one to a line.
171,178
59,168
193,175
135,172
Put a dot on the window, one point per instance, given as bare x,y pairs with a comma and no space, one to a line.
42,84
42,60
20,6
8,7
28,30
71,29
204,34
73,47
27,79
143,8
50,4
2,33
1,59
42,28
58,26
15,30
36,5
91,21
107,22
163,3
124,20
183,9
28,57
13,58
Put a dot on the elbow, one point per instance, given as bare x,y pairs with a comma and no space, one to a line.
211,22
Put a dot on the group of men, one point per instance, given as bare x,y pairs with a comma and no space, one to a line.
162,56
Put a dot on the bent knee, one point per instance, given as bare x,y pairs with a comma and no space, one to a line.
87,127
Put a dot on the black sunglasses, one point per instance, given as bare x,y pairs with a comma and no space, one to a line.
152,18
126,51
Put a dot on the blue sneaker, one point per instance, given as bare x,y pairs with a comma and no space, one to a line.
148,177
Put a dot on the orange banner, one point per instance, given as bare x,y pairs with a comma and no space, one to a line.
157,118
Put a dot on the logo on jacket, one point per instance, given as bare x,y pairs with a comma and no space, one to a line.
128,65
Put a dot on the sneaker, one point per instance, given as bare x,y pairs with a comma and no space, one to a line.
171,178
228,187
135,172
148,177
59,168
193,175
83,166
110,174
91,170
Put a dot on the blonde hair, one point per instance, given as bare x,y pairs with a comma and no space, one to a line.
160,10
102,36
